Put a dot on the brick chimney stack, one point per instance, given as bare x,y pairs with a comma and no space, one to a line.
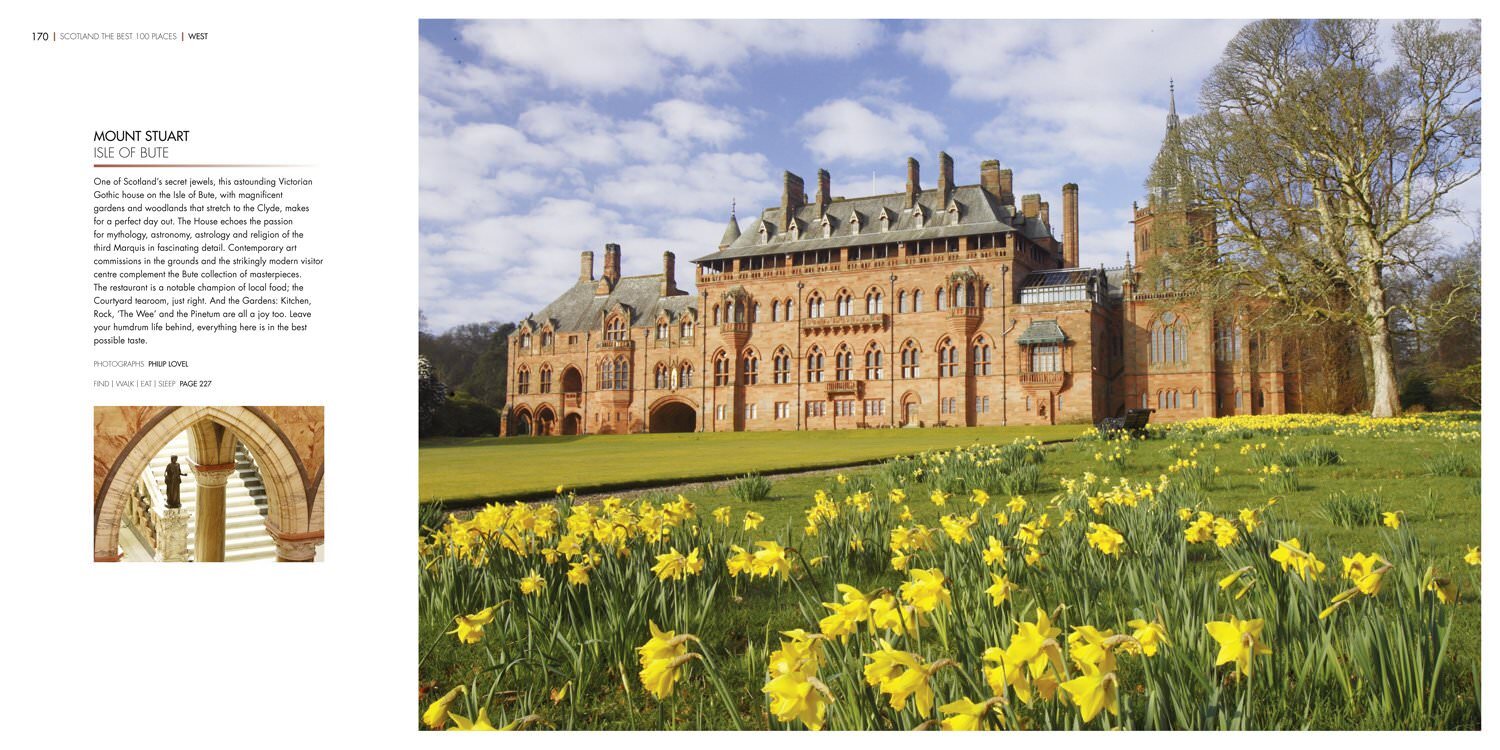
945,179
989,178
793,197
586,266
1031,208
913,181
668,274
1007,188
824,196
611,275
1070,225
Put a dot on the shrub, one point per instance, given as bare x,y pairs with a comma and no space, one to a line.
1349,511
461,416
750,488
1312,454
1451,465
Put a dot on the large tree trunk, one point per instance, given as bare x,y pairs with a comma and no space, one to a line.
1387,398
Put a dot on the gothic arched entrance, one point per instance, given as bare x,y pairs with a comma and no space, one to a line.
572,424
545,421
674,416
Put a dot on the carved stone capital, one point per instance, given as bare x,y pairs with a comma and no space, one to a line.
212,475
296,550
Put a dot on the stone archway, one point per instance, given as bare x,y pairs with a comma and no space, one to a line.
124,448
572,424
673,415
545,422
521,422
911,405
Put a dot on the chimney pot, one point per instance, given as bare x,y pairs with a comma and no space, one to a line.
1031,205
793,196
1070,225
945,177
668,274
611,264
824,194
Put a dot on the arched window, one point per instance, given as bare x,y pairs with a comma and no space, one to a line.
781,367
1144,404
546,339
775,311
1193,399
752,368
721,368
1239,400
844,303
815,305
916,301
843,363
1229,341
615,331
989,296
755,312
962,293
947,359
546,379
874,362
874,302
982,356
901,301
525,341
911,362
1161,399
815,365
663,376
622,374
941,299
788,314
1168,339
685,376
663,330
717,319
1176,399
523,380
687,329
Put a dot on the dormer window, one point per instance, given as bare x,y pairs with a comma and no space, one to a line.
919,216
525,340
546,339
615,331
765,233
827,227
952,214
854,222
885,220
793,230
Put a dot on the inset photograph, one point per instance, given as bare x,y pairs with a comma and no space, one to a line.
208,483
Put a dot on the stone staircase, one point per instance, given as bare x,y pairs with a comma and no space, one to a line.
245,505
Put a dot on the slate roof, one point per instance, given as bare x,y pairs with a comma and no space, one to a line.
580,309
1043,332
978,212
1058,277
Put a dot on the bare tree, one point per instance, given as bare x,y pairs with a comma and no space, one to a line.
1325,161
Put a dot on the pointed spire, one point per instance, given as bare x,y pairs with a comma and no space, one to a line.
1172,119
732,231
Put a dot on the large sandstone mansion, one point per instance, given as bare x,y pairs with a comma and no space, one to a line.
948,305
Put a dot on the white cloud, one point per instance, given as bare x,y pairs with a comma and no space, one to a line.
703,184
460,86
645,55
685,120
869,130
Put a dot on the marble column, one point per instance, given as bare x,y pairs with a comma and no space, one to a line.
208,541
171,536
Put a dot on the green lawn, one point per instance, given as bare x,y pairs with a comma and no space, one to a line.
475,469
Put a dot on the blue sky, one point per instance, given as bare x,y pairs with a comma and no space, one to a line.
540,139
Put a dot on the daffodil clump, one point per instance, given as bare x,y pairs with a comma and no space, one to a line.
955,590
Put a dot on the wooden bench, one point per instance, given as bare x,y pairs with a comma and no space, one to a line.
1134,422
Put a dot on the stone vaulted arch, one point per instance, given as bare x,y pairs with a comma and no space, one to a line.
294,490
672,414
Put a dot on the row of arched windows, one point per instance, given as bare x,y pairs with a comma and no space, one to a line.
873,366
844,304
669,376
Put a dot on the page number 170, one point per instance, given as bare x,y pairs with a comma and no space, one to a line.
41,36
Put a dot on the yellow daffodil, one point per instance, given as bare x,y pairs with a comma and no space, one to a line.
1094,691
799,696
896,496
925,590
1472,557
1239,641
578,574
470,628
939,498
739,560
901,675
994,552
1391,519
1000,589
1032,556
753,520
964,715
533,583
1016,504
1227,581
479,724
1150,635
980,497
1105,539
436,714
722,515
770,559
662,658
1441,585
1293,558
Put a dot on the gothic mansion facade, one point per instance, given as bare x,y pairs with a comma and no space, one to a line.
946,306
